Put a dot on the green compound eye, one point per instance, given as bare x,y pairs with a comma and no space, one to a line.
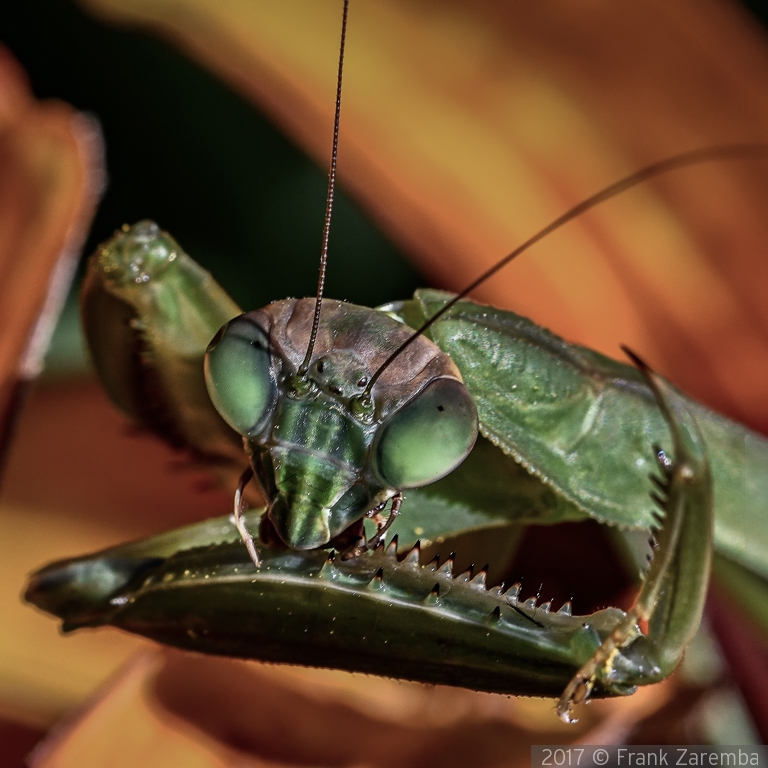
428,437
239,376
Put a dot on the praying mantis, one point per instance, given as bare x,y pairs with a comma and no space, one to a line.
153,587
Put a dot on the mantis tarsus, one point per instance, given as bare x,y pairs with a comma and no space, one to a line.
144,291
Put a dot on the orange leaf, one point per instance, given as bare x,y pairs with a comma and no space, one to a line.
171,709
51,177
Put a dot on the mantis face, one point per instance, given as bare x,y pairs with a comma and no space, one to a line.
323,461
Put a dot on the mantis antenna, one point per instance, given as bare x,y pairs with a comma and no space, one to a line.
684,159
329,200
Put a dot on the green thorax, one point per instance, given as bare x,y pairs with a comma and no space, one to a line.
313,467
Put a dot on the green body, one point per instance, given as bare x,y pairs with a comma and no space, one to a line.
197,588
585,424
568,434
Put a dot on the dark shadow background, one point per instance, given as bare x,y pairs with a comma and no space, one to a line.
184,149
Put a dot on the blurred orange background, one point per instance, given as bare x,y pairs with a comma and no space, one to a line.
465,128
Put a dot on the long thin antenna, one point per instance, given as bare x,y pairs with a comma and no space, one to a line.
329,200
693,157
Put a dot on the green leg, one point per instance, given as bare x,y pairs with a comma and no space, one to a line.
671,600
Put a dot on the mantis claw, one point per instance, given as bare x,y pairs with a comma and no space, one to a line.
378,537
239,521
355,550
599,666
577,692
